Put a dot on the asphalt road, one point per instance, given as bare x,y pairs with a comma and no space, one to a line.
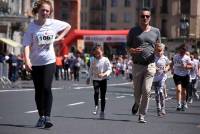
72,111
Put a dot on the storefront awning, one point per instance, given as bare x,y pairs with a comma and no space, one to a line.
10,42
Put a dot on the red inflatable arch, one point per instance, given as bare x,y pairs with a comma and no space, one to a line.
78,34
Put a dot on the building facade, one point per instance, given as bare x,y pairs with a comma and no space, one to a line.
14,15
108,14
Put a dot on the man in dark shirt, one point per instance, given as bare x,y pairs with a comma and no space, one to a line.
140,44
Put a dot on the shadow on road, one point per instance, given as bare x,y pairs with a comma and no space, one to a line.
95,118
15,125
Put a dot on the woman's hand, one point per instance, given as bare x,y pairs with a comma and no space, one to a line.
28,66
101,75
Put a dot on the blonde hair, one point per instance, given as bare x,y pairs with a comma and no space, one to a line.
37,5
161,45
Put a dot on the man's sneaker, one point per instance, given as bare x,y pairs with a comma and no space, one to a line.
159,112
102,115
95,110
141,119
178,108
48,122
40,123
163,112
135,109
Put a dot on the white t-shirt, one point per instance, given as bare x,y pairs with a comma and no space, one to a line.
41,38
179,62
161,63
98,66
194,71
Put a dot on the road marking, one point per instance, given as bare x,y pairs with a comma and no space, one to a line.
30,112
74,104
168,98
119,97
25,90
109,85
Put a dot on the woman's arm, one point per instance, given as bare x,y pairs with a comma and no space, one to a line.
27,59
63,33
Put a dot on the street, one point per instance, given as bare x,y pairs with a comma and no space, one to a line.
73,105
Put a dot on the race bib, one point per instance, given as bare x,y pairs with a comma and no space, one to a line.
45,37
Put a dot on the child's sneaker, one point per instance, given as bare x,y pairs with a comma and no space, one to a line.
95,110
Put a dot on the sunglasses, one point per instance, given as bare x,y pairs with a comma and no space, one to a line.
145,16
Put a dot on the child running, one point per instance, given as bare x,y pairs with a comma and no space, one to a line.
162,66
100,69
194,74
181,66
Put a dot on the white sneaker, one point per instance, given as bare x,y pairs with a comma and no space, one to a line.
184,106
95,110
190,100
141,119
196,95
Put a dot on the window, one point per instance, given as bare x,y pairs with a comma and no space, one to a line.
113,17
185,6
127,3
64,16
127,17
164,28
65,4
164,8
146,3
113,3
84,3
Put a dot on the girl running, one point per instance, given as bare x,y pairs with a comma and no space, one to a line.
100,69
162,66
40,57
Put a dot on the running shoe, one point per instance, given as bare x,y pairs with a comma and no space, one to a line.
178,108
184,106
196,95
163,112
159,112
190,100
141,119
40,123
48,122
95,110
135,109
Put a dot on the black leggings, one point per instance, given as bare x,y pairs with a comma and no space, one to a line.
100,85
42,79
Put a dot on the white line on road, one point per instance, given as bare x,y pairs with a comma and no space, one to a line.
74,104
119,97
30,112
109,85
25,90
